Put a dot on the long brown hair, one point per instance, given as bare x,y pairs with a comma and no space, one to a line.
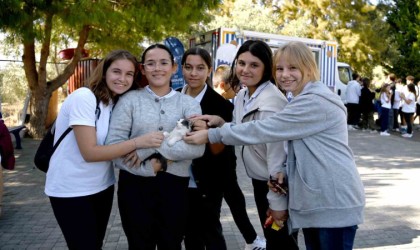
97,81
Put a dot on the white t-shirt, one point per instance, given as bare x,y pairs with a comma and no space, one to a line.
69,175
353,92
385,101
409,108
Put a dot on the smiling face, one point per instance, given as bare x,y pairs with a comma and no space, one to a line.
196,72
158,69
249,70
120,76
288,76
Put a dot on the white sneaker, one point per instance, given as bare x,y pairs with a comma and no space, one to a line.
384,133
258,244
350,127
407,135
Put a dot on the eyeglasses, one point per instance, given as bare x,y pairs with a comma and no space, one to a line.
150,66
190,68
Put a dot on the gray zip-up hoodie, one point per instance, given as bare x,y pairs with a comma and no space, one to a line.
325,189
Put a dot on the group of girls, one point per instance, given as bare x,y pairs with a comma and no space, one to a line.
162,208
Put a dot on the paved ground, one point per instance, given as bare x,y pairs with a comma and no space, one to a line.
389,166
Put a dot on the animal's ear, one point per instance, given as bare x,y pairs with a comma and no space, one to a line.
187,123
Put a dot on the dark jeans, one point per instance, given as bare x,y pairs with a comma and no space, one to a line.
153,210
83,220
204,230
407,117
236,201
330,238
384,119
275,239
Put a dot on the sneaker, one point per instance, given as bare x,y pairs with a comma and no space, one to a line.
373,131
407,135
258,244
384,133
350,127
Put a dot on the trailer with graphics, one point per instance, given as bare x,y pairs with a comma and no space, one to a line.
222,43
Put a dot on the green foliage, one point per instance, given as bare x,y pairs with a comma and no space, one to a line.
96,25
13,87
355,24
245,15
404,20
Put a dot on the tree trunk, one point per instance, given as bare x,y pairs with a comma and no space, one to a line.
40,99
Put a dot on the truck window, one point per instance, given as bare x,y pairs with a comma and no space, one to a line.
344,74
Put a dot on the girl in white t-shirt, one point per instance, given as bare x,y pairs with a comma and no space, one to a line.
408,108
386,93
80,180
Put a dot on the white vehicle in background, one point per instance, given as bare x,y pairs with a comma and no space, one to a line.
222,43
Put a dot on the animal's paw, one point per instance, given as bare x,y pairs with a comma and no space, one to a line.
165,134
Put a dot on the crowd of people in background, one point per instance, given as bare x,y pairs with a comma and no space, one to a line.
396,102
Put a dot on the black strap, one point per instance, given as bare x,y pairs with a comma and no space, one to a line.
61,138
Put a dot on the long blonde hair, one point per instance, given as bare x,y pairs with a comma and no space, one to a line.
301,57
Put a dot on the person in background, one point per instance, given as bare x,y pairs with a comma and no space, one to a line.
232,192
395,103
366,106
153,206
352,98
408,108
80,179
7,156
399,88
417,115
385,97
221,82
325,192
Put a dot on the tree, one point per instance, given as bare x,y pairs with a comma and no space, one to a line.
95,25
245,15
404,20
354,24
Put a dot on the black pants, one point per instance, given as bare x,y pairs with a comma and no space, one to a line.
83,220
396,125
275,239
353,112
236,201
204,230
407,117
153,210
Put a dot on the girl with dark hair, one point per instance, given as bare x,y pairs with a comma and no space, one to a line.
153,206
80,180
252,67
207,185
366,106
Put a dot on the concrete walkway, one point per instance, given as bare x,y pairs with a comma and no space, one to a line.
389,166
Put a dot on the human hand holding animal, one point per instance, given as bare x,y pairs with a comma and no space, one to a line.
212,120
150,140
183,126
